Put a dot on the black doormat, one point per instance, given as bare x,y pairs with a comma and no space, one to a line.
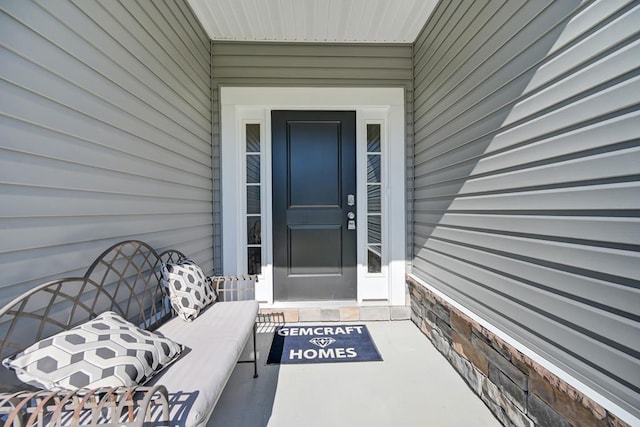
322,344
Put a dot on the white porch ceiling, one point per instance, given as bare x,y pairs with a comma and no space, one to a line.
315,21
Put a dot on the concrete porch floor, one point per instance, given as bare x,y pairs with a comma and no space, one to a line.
413,386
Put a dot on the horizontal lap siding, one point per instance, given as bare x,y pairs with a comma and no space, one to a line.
105,124
298,64
527,166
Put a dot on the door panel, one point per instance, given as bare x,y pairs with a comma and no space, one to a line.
314,164
324,256
313,173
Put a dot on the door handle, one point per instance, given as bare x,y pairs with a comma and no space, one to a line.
351,215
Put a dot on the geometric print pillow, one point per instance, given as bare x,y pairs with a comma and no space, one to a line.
106,351
190,290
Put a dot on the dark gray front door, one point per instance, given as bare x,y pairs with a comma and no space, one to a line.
313,175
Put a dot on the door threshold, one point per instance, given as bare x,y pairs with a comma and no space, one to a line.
308,304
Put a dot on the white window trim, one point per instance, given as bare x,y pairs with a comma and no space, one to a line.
241,105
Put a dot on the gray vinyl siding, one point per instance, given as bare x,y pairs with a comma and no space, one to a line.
301,64
527,170
105,134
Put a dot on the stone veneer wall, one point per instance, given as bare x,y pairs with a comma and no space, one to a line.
518,390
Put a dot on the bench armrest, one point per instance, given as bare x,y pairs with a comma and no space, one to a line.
235,288
123,406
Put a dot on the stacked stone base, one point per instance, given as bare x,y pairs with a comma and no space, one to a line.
518,390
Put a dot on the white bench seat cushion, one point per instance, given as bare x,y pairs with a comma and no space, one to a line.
213,344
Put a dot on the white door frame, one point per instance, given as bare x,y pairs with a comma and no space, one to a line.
242,105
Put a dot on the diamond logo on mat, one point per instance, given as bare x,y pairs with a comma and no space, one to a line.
322,342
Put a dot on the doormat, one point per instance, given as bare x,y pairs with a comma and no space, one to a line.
322,344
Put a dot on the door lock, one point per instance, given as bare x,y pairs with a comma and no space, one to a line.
351,224
351,199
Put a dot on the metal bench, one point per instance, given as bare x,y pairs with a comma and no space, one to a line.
125,279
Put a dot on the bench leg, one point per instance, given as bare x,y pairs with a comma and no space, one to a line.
255,352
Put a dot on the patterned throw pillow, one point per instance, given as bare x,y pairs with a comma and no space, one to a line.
189,289
107,351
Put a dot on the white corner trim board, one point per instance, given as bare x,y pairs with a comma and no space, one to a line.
242,105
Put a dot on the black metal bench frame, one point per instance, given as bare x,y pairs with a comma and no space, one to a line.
126,279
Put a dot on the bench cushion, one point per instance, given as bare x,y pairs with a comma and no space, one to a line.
213,344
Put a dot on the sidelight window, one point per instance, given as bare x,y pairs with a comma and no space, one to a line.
374,198
253,149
